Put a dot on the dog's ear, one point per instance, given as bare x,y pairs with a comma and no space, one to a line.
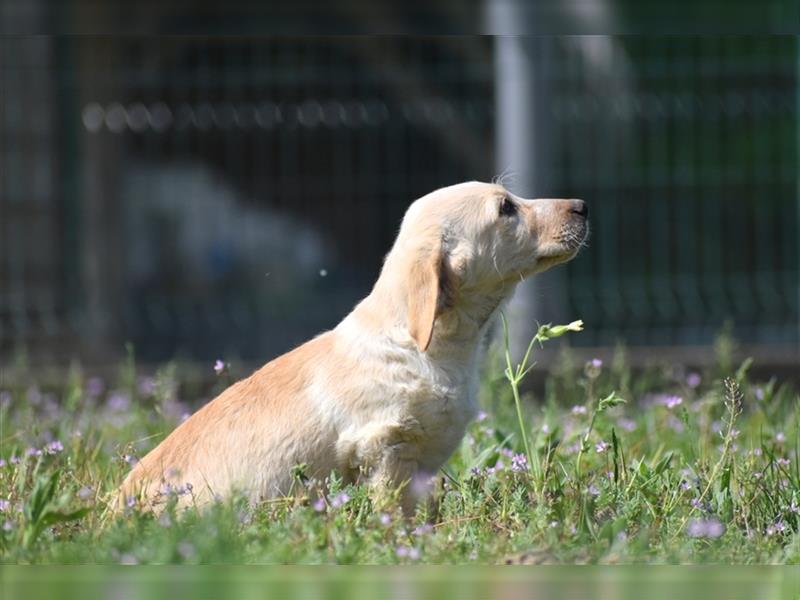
425,292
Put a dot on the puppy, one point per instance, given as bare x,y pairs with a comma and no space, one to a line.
388,393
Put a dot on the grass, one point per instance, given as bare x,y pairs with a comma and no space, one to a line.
605,466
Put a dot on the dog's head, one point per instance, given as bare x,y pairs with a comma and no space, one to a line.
467,245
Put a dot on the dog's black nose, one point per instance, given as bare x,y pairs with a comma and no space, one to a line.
579,208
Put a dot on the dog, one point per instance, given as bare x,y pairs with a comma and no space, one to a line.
385,396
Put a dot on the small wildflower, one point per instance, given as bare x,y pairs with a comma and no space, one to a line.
685,485
4,504
146,385
422,530
402,551
476,471
757,452
793,507
14,460
626,424
33,452
55,447
783,462
131,502
553,524
85,492
545,428
8,526
675,424
759,391
519,462
596,363
776,528
593,490
481,416
319,505
219,367
780,437
340,499
164,520
578,410
693,380
119,401
705,528
672,401
413,553
734,433
2,463
94,387
601,446
385,519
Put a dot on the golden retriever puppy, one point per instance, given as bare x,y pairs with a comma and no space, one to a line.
388,393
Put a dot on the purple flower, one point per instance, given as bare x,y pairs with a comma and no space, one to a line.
693,380
626,424
54,447
597,363
413,553
14,460
759,391
519,462
685,485
593,490
402,551
4,504
601,446
385,519
777,527
578,410
146,385
340,499
85,492
2,463
319,505
675,424
94,387
119,401
672,401
784,462
705,528
422,530
780,437
8,526
219,367
33,452
481,416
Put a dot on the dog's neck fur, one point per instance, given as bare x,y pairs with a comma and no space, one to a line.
459,325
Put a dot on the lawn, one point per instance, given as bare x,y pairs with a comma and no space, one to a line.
661,465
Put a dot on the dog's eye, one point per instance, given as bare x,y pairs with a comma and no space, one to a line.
507,208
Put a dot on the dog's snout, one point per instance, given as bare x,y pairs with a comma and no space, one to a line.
580,208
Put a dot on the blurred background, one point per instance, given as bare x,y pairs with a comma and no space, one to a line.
204,197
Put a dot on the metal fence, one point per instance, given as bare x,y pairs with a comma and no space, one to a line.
203,197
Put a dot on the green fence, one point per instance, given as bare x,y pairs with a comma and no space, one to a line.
203,196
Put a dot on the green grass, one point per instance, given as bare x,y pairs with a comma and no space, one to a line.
690,468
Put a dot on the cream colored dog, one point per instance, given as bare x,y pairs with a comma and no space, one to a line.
388,393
